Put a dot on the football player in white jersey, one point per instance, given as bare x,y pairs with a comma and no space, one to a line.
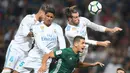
48,36
22,42
77,25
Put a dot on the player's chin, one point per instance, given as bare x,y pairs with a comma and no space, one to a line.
81,50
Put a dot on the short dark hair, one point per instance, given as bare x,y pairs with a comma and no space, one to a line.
77,39
44,7
69,10
50,9
121,69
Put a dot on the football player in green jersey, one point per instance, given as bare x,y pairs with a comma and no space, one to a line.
68,58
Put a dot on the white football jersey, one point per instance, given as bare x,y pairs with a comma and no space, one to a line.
24,28
47,39
81,30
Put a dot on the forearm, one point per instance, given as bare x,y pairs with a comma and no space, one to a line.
62,43
86,64
108,30
97,27
92,42
44,59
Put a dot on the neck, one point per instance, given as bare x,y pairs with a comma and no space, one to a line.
75,50
70,23
47,24
37,16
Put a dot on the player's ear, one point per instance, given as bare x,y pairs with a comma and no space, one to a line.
54,17
75,44
69,19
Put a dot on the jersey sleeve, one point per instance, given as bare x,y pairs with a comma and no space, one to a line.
58,53
38,40
61,38
92,42
26,24
94,26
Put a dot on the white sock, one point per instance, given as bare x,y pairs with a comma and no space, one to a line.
6,71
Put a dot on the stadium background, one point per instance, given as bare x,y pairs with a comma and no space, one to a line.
114,13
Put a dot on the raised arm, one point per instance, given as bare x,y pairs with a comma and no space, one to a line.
113,30
98,43
25,26
100,28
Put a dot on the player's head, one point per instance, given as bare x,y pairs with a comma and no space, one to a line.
72,15
79,43
120,70
49,16
42,10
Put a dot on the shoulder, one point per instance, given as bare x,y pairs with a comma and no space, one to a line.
68,27
55,25
83,18
84,21
62,51
28,18
66,50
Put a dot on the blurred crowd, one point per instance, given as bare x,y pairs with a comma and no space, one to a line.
114,13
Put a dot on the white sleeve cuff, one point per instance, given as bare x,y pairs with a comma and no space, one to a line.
92,42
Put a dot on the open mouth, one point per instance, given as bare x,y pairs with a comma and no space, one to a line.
82,49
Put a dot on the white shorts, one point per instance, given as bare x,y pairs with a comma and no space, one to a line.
14,56
35,63
84,54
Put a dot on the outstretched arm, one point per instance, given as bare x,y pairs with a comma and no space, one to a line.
101,28
113,30
82,64
98,43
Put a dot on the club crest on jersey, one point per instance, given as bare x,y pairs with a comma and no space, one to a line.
73,28
42,27
54,30
58,52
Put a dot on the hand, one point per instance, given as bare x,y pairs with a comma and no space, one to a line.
42,69
116,29
99,63
104,43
